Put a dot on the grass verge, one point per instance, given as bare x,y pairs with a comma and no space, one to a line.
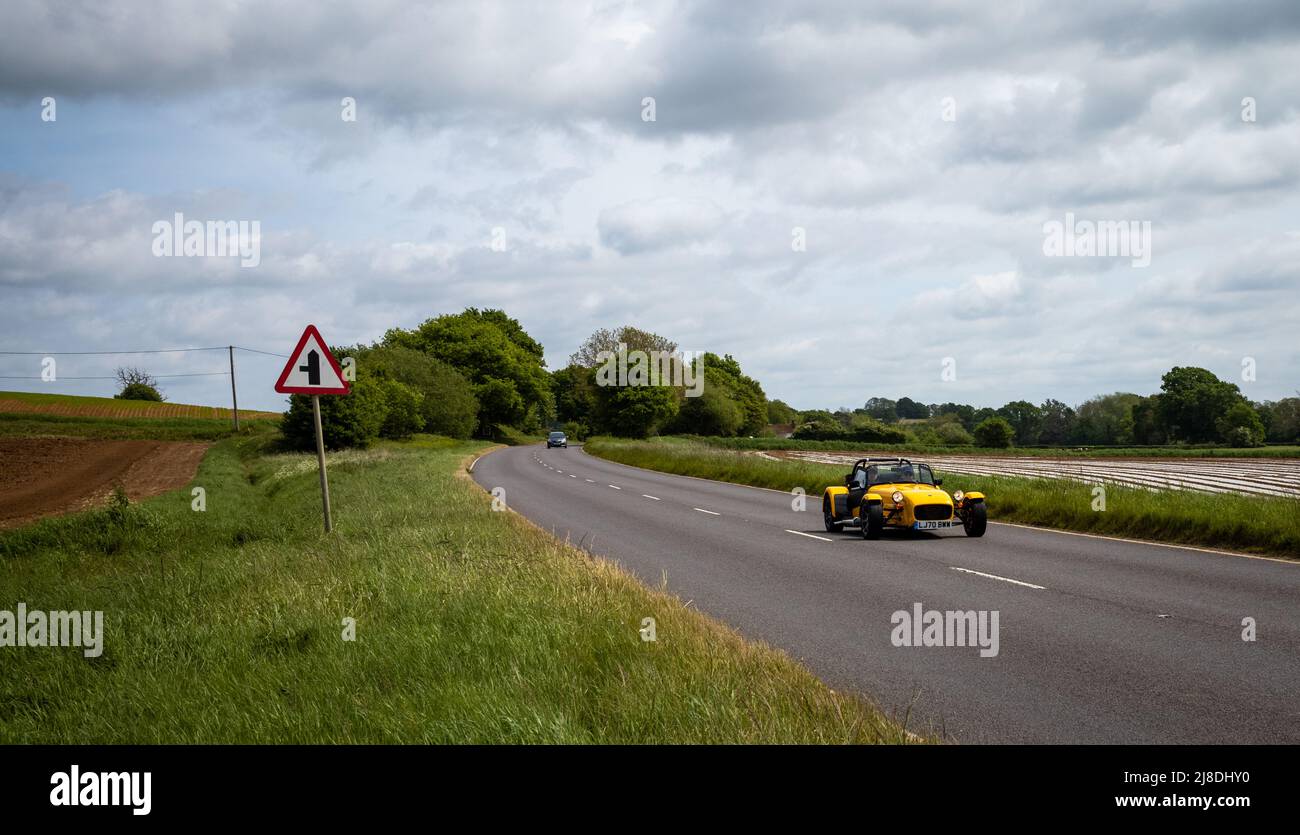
1262,525
225,626
1182,451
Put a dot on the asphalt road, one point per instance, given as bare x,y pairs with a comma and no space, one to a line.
1100,640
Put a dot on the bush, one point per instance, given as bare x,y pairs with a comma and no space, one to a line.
351,420
575,431
403,418
866,430
953,434
447,406
139,391
995,433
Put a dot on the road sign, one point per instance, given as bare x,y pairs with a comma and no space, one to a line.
312,369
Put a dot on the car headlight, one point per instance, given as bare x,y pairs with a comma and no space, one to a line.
897,497
958,496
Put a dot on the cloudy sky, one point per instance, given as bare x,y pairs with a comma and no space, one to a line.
918,150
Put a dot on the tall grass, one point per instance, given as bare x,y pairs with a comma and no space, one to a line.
472,626
1180,451
1265,525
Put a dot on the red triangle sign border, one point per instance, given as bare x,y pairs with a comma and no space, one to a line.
293,360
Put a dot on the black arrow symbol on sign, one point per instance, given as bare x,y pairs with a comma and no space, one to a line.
312,368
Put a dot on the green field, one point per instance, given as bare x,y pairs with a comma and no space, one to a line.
472,626
1262,525
28,414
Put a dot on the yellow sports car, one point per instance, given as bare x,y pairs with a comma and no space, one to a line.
895,493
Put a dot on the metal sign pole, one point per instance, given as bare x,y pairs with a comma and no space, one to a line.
320,458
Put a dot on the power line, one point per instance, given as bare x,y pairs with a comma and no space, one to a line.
114,376
153,351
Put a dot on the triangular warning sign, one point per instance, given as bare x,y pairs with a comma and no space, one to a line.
312,369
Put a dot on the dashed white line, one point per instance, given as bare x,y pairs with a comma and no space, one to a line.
616,487
591,481
571,475
996,577
809,535
650,497
710,512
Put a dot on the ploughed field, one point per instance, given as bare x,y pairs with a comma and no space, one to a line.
1242,476
45,476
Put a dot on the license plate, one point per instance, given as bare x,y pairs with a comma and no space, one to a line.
930,526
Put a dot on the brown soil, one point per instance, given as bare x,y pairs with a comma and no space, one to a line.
45,476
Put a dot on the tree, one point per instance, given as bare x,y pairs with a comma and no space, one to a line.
446,406
402,418
1282,419
1024,418
1106,419
502,362
350,420
1192,400
964,413
882,409
634,411
780,412
606,340
743,390
1056,425
574,393
137,384
1240,426
908,408
994,432
1147,428
712,413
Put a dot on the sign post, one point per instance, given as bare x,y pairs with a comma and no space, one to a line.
312,370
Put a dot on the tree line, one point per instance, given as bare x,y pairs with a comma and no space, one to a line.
479,373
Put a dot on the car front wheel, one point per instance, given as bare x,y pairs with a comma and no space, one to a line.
976,519
873,521
828,517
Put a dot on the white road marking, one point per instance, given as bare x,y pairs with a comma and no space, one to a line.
648,496
572,476
591,481
996,577
710,512
1147,542
809,535
616,487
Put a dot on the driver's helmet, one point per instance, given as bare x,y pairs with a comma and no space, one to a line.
906,474
859,478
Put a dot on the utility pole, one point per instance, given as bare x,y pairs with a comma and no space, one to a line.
234,400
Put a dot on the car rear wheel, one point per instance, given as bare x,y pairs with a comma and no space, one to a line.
873,521
828,517
976,519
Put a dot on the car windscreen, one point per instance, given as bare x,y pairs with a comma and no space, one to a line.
899,474
555,436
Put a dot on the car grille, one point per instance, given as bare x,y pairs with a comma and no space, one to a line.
931,512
